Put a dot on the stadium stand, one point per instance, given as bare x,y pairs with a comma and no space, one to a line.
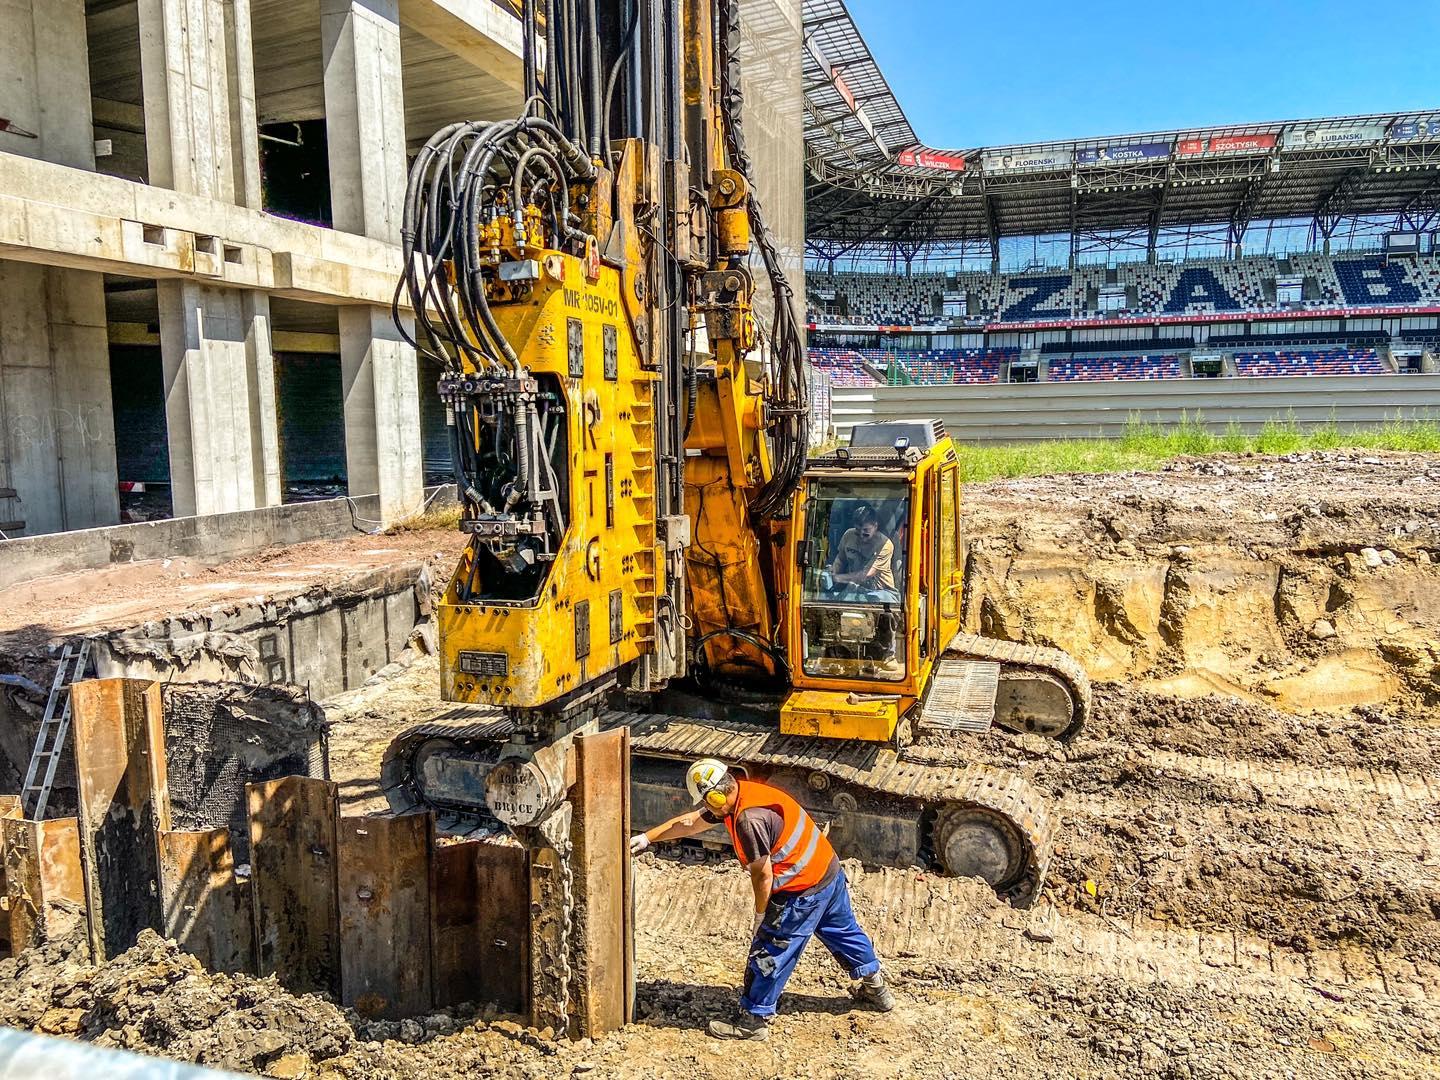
1132,345
849,367
846,367
1374,280
1351,338
1320,281
872,298
1192,288
1311,362
1102,368
930,366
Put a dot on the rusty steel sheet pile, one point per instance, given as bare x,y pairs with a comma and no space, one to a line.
381,913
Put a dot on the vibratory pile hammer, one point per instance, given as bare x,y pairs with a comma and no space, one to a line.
653,567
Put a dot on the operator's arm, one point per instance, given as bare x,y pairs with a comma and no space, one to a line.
679,828
839,559
762,881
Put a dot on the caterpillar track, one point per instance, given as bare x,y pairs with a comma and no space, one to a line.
1042,691
896,805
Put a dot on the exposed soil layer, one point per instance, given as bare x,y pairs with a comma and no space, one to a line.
982,990
1246,880
1307,581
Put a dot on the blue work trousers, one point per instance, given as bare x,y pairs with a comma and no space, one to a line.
787,926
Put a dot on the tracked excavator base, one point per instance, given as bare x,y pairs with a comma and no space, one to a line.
884,804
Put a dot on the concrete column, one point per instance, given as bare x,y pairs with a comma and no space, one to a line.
219,398
365,128
57,429
57,426
198,70
45,81
382,412
364,115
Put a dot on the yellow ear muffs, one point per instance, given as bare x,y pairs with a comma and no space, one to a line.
715,799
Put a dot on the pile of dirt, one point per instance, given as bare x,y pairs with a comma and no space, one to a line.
156,999
1212,813
1366,736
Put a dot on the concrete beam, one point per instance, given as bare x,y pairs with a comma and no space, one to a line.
282,341
58,216
119,115
480,32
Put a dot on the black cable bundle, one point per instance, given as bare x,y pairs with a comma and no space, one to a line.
463,178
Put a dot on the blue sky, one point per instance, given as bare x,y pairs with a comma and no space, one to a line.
985,72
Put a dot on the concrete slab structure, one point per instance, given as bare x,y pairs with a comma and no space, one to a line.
140,216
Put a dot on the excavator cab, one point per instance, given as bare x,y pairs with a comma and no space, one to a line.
876,578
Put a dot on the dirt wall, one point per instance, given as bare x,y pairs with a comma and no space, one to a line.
1307,583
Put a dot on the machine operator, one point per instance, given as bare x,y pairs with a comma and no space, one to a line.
866,555
800,891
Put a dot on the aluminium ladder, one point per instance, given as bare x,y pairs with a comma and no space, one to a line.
54,728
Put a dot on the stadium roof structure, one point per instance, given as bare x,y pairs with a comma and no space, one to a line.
873,189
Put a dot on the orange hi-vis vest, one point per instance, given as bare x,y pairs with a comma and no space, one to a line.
802,855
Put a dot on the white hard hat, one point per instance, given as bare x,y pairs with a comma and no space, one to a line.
705,775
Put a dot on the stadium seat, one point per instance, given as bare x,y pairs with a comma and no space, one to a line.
1105,368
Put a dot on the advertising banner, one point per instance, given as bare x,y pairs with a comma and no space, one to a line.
1122,154
1007,161
1228,144
1333,138
920,158
1420,129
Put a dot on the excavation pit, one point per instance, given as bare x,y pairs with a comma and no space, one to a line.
1245,869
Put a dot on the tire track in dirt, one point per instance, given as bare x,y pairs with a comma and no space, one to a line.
916,917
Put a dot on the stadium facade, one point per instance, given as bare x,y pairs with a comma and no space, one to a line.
1283,248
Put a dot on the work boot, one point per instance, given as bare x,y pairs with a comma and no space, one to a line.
872,991
746,1025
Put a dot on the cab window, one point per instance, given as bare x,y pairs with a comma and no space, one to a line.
852,607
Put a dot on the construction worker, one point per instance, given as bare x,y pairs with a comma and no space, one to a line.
800,890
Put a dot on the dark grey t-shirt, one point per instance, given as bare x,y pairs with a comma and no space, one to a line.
758,830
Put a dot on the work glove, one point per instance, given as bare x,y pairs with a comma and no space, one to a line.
755,927
638,843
